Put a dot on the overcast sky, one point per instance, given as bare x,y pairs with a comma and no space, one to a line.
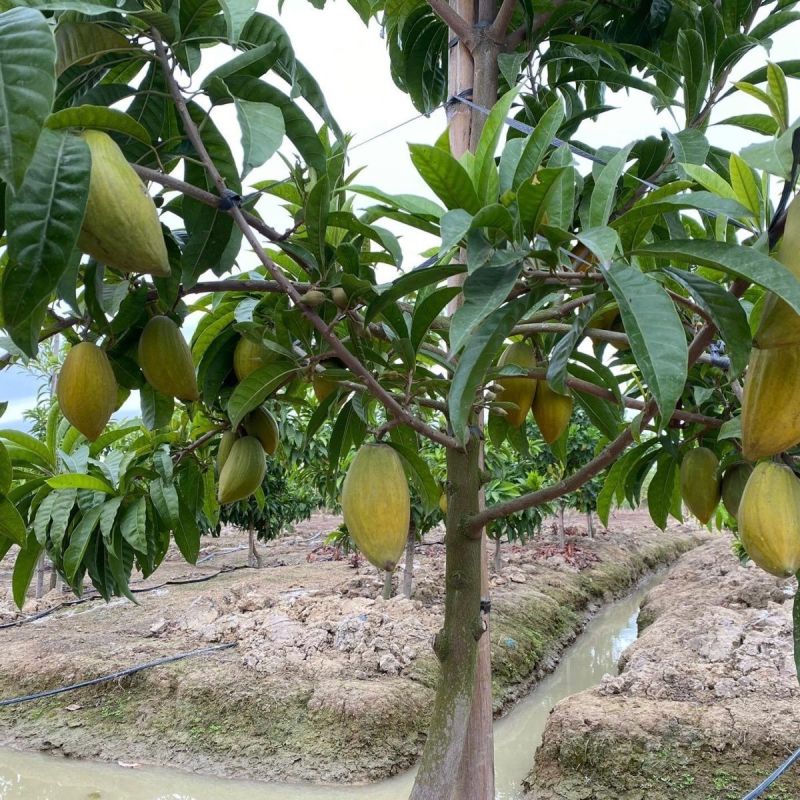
351,64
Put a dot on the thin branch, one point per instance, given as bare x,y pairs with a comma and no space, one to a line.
600,462
497,32
199,442
455,22
541,19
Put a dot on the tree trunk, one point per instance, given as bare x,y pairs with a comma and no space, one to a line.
40,576
590,523
53,576
562,534
498,556
456,644
408,573
387,585
253,556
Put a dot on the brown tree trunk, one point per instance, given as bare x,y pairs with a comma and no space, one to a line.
456,644
590,523
498,556
387,585
40,576
408,573
562,534
253,556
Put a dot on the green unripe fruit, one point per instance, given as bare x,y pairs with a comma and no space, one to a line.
313,298
243,470
700,485
166,360
261,424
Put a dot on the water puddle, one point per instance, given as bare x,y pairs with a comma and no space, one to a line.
30,776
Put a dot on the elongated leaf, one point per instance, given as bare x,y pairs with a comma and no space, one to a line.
237,13
157,408
426,311
262,129
559,355
725,311
733,259
100,117
533,198
79,481
661,489
654,329
475,360
28,442
5,470
63,501
187,534
605,188
44,220
538,143
256,387
316,216
108,516
27,88
252,63
488,181
12,526
449,181
133,525
78,42
24,567
79,541
420,475
412,203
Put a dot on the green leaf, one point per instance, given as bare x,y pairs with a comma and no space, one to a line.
537,144
44,219
85,42
475,360
694,70
133,525
654,329
166,501
779,92
661,489
5,470
12,526
157,408
256,387
426,311
24,568
412,203
27,88
560,354
731,429
420,475
744,185
262,129
605,187
733,259
79,541
187,534
725,311
28,442
108,517
237,13
252,63
63,502
100,117
603,242
76,480
316,216
449,181
486,168
758,123
533,198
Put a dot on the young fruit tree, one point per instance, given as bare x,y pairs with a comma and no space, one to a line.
614,276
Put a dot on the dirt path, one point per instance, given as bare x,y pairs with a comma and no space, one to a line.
328,681
706,705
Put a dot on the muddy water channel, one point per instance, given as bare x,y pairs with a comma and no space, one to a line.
25,776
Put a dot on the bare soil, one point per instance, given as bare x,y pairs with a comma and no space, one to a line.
706,705
328,681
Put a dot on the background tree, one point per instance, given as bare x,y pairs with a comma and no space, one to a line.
672,232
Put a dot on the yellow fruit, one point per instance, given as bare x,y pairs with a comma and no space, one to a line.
87,389
121,226
443,504
313,298
769,519
376,504
340,297
323,386
166,360
248,356
261,424
552,411
518,390
224,450
700,485
770,407
242,471
733,482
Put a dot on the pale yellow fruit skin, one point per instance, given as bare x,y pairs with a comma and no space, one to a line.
120,227
224,450
769,519
552,411
87,389
770,407
376,504
166,360
518,390
700,484
242,471
261,424
248,356
443,504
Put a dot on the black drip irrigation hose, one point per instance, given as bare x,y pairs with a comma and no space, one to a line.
68,604
13,701
767,782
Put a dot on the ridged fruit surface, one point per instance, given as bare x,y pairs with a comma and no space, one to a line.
322,386
376,504
166,360
518,390
87,389
552,411
248,356
121,226
261,424
224,450
243,470
700,484
769,519
770,407
733,482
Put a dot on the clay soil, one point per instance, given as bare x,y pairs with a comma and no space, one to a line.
327,682
706,705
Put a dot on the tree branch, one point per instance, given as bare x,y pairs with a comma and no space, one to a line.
455,22
502,20
541,19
